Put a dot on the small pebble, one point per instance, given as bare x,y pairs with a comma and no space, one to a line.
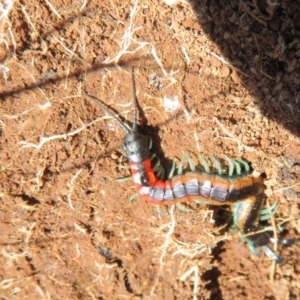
274,24
215,62
114,156
225,72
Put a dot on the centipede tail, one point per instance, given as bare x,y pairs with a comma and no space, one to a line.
246,217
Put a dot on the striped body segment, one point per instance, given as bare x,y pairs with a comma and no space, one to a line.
213,188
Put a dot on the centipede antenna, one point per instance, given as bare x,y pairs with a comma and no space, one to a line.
135,111
217,164
125,128
231,166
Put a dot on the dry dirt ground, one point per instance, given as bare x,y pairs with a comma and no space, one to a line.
230,70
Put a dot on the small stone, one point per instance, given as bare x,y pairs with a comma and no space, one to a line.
225,72
226,35
274,24
292,65
286,77
294,211
215,99
278,87
266,90
297,53
114,156
3,53
215,62
235,77
59,147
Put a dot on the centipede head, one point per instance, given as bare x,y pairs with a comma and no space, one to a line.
137,147
135,144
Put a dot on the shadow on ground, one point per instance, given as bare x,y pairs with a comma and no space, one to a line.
260,40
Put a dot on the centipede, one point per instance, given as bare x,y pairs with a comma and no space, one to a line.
238,189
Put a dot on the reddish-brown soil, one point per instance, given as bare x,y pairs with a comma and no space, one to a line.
67,230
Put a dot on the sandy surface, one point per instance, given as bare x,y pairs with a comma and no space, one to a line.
67,229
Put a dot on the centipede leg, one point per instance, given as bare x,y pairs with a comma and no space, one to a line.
127,167
267,213
156,167
270,253
183,207
236,213
123,179
159,210
202,202
231,166
190,161
172,170
133,197
160,171
252,247
286,242
268,210
152,156
267,250
246,165
237,167
218,165
204,163
180,167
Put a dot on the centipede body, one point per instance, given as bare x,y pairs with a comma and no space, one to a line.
215,189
